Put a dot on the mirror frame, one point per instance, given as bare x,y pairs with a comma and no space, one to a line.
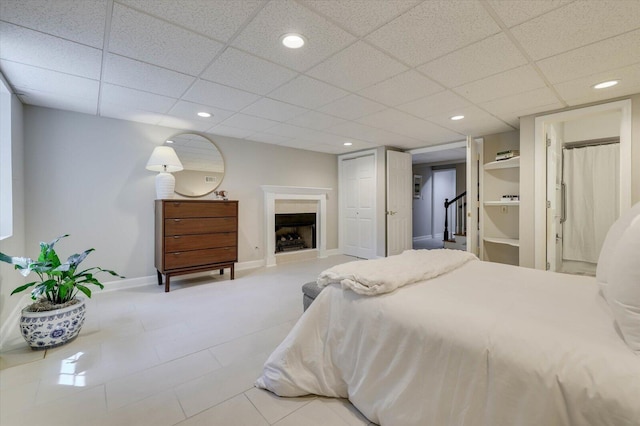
208,139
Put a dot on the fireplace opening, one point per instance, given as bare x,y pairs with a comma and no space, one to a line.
295,231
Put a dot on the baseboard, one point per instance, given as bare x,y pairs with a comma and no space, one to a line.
241,266
332,252
438,236
422,238
127,283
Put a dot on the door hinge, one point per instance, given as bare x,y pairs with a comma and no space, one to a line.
548,204
548,266
548,141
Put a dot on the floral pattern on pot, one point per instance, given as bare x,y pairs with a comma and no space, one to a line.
48,329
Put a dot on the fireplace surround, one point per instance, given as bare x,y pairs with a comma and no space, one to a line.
273,193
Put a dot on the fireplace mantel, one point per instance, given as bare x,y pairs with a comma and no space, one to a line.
275,192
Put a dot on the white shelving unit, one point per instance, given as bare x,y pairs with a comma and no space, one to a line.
499,218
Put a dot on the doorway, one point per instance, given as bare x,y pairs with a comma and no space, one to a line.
586,155
444,187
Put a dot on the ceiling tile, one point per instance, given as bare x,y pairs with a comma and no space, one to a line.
184,123
274,110
616,52
513,117
118,95
522,101
315,120
262,36
581,90
445,101
479,60
190,110
140,36
267,138
345,68
401,88
358,131
476,122
287,130
33,48
125,112
76,20
138,75
352,107
358,16
29,78
515,12
247,72
215,95
577,24
233,132
307,92
58,101
434,28
517,80
219,19
249,122
408,125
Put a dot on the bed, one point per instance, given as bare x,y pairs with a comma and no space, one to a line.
481,344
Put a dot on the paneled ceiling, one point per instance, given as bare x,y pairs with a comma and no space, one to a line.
373,72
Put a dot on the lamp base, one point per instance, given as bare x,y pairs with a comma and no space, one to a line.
165,184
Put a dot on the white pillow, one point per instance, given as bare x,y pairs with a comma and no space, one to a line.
624,285
608,247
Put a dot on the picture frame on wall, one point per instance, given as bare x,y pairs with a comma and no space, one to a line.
417,185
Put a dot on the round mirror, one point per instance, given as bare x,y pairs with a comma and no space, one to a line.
202,161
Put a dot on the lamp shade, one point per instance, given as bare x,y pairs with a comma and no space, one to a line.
164,159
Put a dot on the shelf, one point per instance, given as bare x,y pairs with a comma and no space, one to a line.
502,203
507,241
503,164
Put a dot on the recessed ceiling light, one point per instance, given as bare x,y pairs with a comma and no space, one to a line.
168,141
457,117
204,114
347,143
292,40
606,84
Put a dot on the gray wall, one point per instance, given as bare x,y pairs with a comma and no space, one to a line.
14,245
86,176
422,206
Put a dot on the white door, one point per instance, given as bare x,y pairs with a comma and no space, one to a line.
399,202
472,195
555,198
359,206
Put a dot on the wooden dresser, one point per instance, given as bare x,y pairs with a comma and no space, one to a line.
195,236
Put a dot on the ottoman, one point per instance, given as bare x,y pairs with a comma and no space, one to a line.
309,292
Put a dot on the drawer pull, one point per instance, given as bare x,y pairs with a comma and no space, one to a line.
175,237
177,253
176,203
177,220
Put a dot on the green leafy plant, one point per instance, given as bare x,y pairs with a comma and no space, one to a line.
59,282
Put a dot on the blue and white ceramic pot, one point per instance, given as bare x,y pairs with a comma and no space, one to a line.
48,329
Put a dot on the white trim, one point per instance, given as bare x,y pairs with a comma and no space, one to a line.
273,193
333,252
422,238
251,264
540,189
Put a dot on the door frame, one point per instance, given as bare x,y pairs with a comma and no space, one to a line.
407,187
342,192
540,167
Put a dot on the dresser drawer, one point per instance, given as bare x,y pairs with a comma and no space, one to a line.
179,209
207,225
186,259
201,241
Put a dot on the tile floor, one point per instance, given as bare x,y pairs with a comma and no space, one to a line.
188,357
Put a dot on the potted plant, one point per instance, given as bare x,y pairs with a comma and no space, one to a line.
57,314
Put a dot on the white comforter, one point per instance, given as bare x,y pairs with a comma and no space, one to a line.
378,276
486,344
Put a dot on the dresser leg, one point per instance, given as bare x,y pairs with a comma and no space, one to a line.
221,271
166,283
159,277
232,271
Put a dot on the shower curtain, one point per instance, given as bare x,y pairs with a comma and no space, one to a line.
591,175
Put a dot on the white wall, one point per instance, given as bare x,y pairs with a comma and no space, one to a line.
86,176
14,245
600,126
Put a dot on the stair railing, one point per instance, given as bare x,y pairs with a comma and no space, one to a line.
458,212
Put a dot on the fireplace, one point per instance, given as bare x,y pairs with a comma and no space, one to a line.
295,231
273,194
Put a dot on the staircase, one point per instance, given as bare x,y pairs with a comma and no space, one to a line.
458,218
